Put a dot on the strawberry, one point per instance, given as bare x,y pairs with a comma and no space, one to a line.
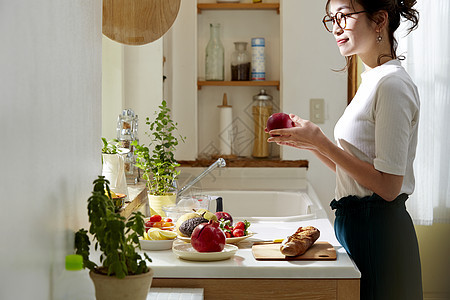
238,232
242,225
239,225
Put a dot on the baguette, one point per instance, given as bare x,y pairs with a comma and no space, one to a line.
300,241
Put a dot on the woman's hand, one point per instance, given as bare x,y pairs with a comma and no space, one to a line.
305,135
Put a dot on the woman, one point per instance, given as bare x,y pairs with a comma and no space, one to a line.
375,147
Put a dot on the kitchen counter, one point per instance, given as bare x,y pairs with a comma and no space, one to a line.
338,279
242,276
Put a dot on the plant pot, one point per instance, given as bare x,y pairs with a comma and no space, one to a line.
133,287
157,202
113,169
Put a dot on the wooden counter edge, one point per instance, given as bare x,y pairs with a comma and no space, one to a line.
267,288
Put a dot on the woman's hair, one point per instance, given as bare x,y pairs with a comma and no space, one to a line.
396,9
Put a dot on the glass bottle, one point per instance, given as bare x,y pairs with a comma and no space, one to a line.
261,110
240,62
214,64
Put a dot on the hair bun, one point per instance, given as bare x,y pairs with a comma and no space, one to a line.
406,10
405,4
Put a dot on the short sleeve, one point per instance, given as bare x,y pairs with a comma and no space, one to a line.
396,110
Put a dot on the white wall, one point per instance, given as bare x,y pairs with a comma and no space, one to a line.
132,78
181,42
308,56
112,86
50,115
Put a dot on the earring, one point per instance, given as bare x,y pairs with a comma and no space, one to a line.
379,37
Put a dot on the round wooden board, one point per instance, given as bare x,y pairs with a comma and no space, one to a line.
138,22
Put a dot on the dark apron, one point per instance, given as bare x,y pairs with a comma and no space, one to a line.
380,238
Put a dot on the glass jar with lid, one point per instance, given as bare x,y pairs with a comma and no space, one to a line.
240,62
262,109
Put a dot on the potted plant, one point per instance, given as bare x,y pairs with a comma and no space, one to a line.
159,165
123,273
113,168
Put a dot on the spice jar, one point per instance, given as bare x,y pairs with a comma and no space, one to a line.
240,62
261,110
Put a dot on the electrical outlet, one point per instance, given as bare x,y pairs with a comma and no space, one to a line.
317,111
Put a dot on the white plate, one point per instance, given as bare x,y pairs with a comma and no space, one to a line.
156,245
186,251
232,240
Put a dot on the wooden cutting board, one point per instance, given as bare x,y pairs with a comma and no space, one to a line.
318,251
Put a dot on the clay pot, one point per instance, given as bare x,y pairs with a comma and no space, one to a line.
134,287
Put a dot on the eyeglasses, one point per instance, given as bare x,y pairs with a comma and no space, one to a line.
339,18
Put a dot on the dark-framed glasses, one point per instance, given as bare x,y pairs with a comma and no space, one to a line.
339,18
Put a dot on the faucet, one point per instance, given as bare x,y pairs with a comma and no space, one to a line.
218,163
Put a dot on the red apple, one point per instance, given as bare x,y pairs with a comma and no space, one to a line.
208,237
225,216
279,120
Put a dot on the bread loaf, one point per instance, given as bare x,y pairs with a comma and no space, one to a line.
300,241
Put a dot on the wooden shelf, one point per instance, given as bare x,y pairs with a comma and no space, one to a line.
245,162
238,6
238,83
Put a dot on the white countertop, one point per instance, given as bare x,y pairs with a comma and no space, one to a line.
243,265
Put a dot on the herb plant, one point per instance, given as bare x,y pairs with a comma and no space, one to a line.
109,147
116,237
159,166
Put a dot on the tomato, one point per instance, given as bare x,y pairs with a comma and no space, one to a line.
228,234
168,220
156,218
238,232
239,225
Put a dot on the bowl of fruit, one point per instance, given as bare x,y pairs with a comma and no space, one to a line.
159,233
234,233
157,221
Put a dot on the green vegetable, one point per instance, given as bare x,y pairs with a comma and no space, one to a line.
116,237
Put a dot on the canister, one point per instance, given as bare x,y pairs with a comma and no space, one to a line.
261,110
258,59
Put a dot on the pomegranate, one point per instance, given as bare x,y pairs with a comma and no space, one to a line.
279,120
208,237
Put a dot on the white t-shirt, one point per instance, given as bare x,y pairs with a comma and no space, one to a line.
380,127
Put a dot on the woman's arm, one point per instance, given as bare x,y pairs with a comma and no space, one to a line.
309,136
385,185
328,162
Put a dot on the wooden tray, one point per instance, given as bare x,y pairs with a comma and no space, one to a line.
318,251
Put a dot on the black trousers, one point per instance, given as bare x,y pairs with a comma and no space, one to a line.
380,238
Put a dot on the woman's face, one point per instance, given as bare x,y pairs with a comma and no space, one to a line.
359,35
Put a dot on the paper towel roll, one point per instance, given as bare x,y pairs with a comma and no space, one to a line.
226,130
225,127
